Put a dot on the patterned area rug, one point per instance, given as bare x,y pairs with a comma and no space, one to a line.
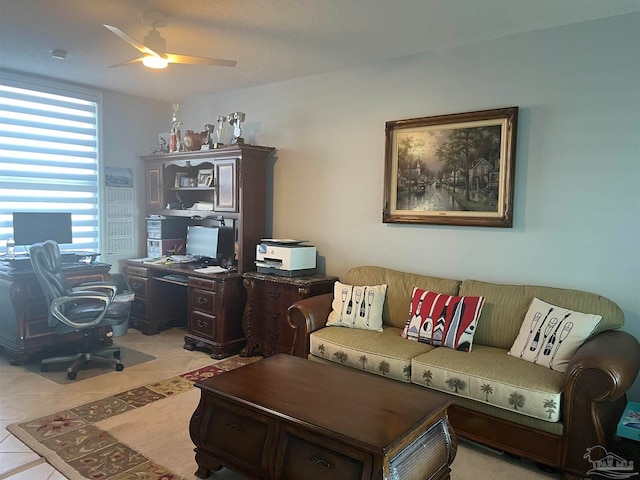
75,444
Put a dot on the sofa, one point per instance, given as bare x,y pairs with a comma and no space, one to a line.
518,406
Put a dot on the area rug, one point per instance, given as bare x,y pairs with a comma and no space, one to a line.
57,372
125,436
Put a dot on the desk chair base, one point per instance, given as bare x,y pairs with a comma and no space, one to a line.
110,355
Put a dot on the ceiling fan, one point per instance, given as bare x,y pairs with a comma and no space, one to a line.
154,46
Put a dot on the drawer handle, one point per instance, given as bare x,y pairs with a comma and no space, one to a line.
272,334
233,426
201,300
201,324
319,462
273,293
273,314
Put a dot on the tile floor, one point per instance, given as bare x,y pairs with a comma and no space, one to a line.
25,395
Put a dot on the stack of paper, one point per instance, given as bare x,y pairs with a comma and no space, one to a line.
213,269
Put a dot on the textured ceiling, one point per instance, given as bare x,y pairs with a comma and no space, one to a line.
272,40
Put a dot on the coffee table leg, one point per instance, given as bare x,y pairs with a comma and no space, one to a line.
205,466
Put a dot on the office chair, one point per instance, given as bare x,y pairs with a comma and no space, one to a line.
85,308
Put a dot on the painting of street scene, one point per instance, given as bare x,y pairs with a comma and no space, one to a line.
454,170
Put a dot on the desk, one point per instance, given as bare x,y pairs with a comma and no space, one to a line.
24,330
209,305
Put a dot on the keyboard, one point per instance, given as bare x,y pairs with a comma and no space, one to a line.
176,278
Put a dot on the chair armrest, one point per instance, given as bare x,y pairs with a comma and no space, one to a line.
306,316
57,310
597,379
109,288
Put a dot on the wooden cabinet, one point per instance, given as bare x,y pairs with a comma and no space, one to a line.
24,328
215,314
265,324
236,192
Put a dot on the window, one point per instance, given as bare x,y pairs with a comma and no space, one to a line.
49,155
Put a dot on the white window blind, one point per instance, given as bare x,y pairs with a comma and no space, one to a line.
49,156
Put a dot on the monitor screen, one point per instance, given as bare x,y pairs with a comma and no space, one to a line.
34,227
210,242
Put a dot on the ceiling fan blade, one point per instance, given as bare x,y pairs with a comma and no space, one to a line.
128,62
191,60
131,41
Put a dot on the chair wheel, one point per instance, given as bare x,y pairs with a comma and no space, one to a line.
119,367
116,354
72,375
44,367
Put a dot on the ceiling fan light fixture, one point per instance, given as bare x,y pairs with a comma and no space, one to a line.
153,61
58,54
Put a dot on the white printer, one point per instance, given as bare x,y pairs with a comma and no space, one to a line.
285,257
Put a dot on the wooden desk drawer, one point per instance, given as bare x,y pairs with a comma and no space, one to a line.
139,308
202,324
203,300
202,283
303,458
37,327
138,271
281,296
138,285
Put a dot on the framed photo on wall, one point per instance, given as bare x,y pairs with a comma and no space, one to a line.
453,169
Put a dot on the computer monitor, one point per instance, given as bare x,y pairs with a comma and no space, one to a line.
34,227
211,244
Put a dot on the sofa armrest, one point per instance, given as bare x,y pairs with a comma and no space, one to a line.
597,379
306,316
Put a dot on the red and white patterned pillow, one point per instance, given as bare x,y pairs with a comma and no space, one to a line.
443,320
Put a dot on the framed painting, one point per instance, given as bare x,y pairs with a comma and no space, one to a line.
453,169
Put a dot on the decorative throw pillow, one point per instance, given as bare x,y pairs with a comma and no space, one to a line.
443,320
550,335
357,306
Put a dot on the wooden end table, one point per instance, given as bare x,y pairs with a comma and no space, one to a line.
286,417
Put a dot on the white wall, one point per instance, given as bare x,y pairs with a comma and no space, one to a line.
130,127
577,200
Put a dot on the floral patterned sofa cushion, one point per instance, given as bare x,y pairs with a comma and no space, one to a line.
383,353
489,375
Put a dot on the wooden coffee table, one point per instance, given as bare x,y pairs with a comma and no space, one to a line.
286,417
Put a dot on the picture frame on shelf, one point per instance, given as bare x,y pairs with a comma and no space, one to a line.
178,180
455,169
205,177
187,182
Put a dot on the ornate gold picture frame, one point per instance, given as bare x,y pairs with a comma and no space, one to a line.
453,169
